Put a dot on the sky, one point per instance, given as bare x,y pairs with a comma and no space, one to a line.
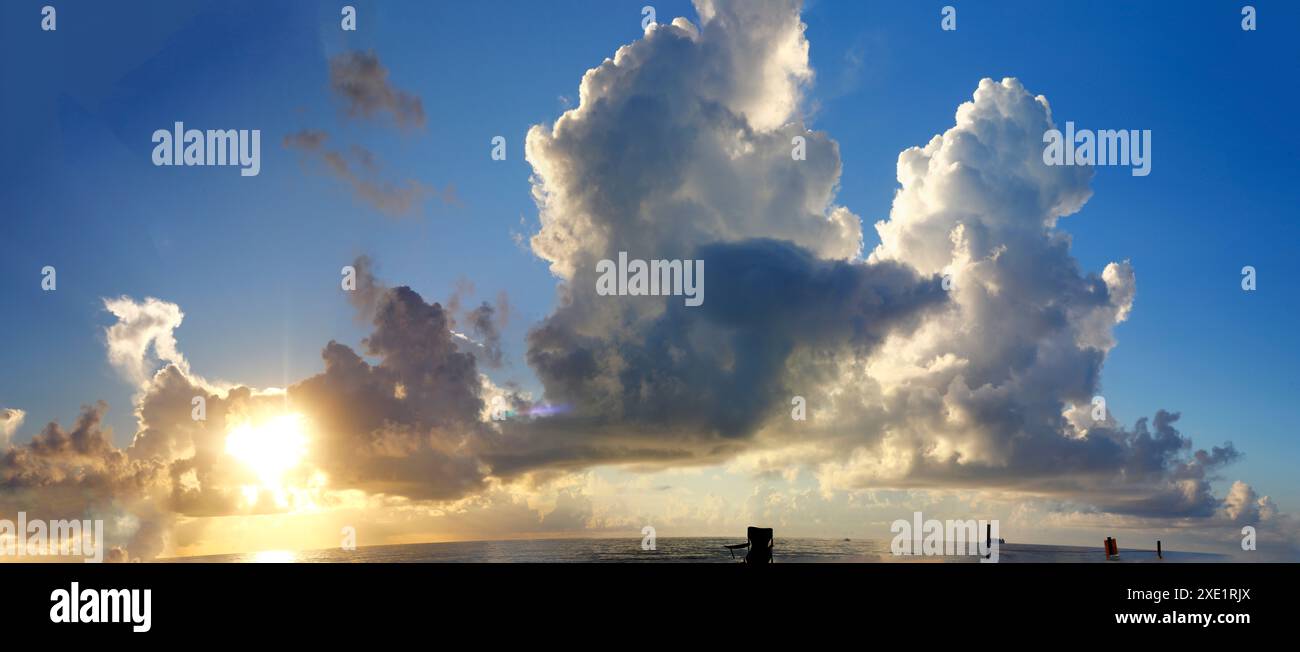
376,152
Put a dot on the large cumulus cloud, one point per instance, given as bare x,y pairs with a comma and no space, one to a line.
990,386
681,148
996,388
684,138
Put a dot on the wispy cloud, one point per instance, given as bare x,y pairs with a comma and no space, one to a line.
361,81
358,167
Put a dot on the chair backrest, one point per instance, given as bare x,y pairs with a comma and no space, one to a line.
760,545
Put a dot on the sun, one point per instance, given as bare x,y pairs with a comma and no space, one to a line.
271,448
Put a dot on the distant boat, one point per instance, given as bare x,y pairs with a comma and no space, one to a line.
846,539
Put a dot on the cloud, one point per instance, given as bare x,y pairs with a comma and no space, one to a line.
143,327
310,140
358,168
995,390
572,513
362,82
680,147
486,325
369,289
978,393
405,426
11,419
78,473
683,138
986,387
408,425
692,385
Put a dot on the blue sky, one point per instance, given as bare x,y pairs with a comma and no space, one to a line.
254,262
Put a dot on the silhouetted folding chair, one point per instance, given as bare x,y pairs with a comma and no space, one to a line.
760,546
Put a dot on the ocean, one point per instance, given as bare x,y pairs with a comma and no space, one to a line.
679,550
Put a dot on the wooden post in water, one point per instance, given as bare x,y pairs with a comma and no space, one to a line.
1159,553
988,540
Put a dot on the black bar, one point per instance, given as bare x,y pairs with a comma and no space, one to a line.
236,599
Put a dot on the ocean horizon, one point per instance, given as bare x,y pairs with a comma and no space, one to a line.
681,550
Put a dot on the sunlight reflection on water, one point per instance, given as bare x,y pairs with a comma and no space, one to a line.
274,557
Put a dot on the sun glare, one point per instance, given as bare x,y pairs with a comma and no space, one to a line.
274,557
270,449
